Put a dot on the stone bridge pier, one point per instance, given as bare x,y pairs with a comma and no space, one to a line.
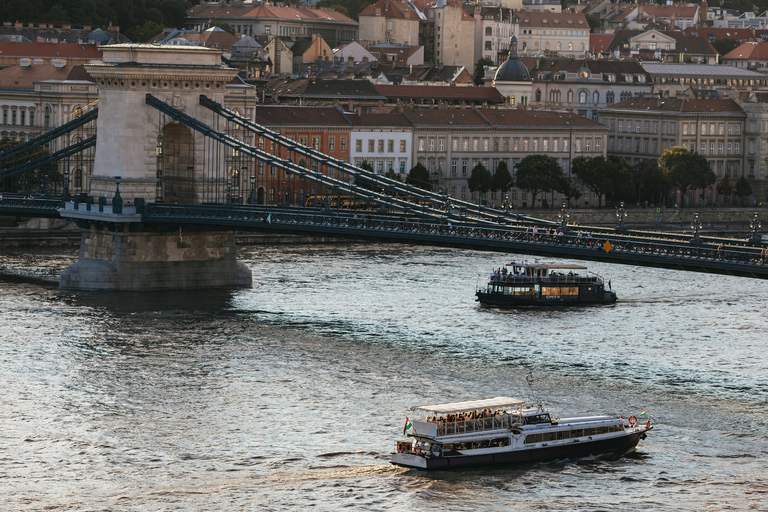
139,158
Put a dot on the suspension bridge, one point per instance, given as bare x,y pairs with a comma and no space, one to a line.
175,172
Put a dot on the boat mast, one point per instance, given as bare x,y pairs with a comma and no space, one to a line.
529,378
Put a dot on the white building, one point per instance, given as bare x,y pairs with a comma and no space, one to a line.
383,140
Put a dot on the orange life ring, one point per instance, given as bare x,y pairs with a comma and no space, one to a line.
417,450
632,420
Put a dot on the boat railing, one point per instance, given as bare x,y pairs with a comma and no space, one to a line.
449,428
564,279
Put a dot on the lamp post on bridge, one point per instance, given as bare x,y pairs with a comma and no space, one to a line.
563,216
283,195
65,195
755,225
696,226
117,200
252,195
621,213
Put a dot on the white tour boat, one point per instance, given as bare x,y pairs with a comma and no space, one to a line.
504,430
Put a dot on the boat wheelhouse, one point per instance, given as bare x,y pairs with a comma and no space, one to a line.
503,430
523,284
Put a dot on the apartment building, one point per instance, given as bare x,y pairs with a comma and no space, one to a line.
545,33
390,21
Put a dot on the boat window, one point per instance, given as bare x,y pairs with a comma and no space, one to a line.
538,418
500,441
560,290
523,290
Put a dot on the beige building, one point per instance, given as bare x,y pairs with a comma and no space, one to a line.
454,34
449,143
643,128
389,21
544,33
493,28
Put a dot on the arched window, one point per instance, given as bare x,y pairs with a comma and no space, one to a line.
47,121
538,94
463,193
609,97
570,96
582,97
596,97
511,100
488,31
78,179
78,111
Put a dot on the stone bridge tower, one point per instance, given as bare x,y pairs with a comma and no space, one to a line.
152,158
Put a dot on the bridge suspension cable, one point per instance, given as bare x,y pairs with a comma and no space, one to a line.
49,159
316,176
367,176
50,135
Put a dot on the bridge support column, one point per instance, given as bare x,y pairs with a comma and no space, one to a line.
141,259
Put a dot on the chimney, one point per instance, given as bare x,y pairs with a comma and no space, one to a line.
115,32
87,28
672,22
25,62
703,13
66,27
18,26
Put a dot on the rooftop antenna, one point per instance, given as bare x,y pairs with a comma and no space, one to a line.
529,378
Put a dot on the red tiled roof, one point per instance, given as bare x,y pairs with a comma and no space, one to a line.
437,92
307,116
391,119
298,13
514,117
716,33
451,117
390,9
565,20
665,11
747,51
599,42
49,50
678,105
17,77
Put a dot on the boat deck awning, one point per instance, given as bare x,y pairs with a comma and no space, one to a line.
549,266
499,402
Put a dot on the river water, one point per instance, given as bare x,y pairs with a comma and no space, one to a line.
290,395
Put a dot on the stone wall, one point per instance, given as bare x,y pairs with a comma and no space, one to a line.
146,260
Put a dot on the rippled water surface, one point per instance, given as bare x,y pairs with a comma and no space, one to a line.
291,394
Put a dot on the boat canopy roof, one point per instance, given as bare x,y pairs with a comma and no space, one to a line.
548,266
470,405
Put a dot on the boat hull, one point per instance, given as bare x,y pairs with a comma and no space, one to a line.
570,450
513,301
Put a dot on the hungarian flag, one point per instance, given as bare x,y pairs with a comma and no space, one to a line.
407,425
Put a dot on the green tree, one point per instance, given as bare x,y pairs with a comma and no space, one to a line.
145,32
539,173
743,189
502,179
724,46
480,180
571,190
391,174
686,170
418,176
724,187
650,180
594,22
597,174
480,69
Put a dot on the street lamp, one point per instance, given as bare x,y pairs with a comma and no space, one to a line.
621,213
65,196
755,225
284,190
117,200
564,215
695,226
252,195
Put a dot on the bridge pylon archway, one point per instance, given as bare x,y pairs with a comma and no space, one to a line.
155,160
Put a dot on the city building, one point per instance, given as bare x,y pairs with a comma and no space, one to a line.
398,54
494,25
454,34
751,55
307,50
64,54
293,22
390,21
681,16
544,33
512,79
643,128
755,106
450,142
691,80
353,53
662,45
586,86
385,141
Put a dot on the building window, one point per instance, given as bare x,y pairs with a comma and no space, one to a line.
402,166
332,144
485,144
421,145
454,144
431,144
454,166
703,148
711,148
316,143
736,146
464,165
343,143
390,146
46,121
475,144
441,145
621,126
402,146
381,145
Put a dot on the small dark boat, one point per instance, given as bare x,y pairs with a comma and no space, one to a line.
544,285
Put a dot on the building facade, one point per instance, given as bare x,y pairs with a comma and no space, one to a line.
385,141
389,21
544,33
643,128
